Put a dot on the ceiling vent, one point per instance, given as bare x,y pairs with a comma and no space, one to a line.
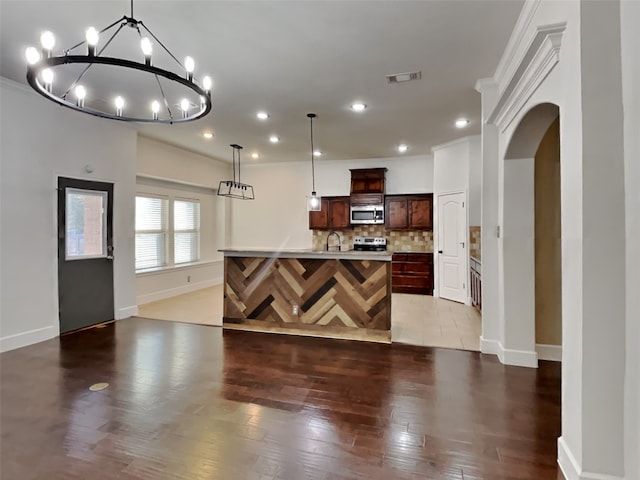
404,77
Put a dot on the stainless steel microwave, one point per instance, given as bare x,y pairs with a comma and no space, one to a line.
367,214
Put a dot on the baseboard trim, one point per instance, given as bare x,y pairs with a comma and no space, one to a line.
172,292
127,312
490,347
551,353
518,358
570,468
27,338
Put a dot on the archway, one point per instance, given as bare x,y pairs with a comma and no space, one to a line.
530,265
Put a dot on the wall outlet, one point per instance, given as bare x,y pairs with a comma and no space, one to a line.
188,278
294,309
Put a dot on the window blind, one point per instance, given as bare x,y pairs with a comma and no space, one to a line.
186,231
151,232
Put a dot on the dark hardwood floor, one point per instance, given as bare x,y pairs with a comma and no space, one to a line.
194,402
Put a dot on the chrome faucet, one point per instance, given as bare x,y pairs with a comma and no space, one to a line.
339,240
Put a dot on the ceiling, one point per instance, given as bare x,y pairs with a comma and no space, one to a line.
290,58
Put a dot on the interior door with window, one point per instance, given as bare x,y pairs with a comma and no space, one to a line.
85,253
452,247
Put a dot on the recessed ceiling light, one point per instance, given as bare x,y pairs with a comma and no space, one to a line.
255,155
402,148
358,107
262,115
462,122
317,153
207,135
274,139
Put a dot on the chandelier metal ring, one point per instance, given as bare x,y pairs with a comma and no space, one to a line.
40,76
34,71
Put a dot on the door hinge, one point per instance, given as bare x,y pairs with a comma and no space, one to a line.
462,204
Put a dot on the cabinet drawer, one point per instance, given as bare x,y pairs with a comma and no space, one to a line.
411,267
410,281
367,199
426,257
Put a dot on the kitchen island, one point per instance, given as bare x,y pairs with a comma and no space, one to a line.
308,292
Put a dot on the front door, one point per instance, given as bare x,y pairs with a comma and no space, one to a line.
85,253
452,247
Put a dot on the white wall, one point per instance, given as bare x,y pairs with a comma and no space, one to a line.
39,142
451,166
475,180
630,19
164,161
177,173
278,216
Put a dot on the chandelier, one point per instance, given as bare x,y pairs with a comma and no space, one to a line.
85,78
235,188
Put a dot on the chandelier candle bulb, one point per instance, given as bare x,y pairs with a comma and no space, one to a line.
119,101
206,83
147,50
189,66
184,105
80,94
48,41
32,55
155,108
47,78
92,36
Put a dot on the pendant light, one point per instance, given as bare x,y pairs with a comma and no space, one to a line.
233,188
314,203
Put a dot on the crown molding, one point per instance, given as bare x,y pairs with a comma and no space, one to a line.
539,59
458,141
509,62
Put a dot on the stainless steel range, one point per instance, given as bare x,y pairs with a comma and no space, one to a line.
370,244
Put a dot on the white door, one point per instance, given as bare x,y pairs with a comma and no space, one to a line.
452,247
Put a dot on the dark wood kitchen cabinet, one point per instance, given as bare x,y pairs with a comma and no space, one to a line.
412,273
409,212
333,215
367,180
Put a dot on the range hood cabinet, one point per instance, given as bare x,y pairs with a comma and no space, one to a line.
367,186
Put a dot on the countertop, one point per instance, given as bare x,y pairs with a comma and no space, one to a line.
308,253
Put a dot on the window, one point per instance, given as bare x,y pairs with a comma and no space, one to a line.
151,232
186,231
85,234
167,231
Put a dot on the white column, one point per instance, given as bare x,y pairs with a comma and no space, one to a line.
491,327
594,364
630,39
518,263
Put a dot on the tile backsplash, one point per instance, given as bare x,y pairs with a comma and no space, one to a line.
397,241
474,242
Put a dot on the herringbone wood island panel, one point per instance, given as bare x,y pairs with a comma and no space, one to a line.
343,298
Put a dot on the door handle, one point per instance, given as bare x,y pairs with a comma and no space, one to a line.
439,251
462,243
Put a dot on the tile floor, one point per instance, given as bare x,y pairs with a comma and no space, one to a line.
203,307
415,319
